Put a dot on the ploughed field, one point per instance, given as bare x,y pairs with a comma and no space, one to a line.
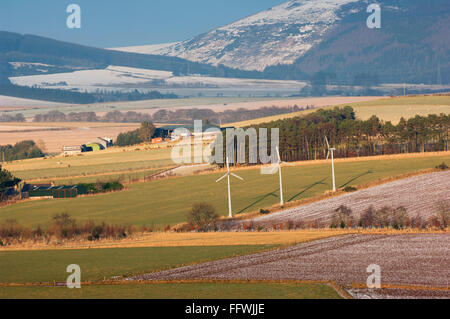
408,261
420,195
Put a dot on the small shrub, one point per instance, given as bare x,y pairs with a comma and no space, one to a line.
203,217
342,218
442,166
290,225
349,189
264,211
444,214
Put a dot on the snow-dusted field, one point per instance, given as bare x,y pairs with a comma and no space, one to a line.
118,77
16,102
420,195
410,259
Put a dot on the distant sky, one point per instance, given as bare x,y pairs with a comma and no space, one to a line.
112,23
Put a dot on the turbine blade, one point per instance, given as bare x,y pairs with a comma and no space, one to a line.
232,174
326,140
228,165
221,178
328,154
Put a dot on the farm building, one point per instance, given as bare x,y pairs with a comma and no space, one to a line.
93,147
170,131
157,140
72,149
104,142
54,191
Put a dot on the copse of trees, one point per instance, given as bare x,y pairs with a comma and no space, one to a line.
20,150
7,180
140,135
202,217
12,118
303,138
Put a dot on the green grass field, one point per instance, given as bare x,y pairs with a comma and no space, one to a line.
387,109
163,202
178,291
98,264
124,163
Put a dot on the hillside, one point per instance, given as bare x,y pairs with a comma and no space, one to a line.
300,38
30,55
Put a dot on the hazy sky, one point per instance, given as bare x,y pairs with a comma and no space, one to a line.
109,23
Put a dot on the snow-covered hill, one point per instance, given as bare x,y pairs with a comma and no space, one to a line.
279,35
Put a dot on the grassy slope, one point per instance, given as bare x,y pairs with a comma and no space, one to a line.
387,109
167,201
124,161
97,264
180,291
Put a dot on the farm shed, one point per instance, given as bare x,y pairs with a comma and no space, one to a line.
54,192
95,147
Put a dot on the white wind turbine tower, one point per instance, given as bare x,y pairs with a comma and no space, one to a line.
227,175
281,179
331,150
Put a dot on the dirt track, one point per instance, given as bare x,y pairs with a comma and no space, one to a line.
410,259
418,194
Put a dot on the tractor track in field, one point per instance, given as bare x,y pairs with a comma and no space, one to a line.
412,265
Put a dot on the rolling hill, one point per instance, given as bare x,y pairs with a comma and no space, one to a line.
31,55
300,38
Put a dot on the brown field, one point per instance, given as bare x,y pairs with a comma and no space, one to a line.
56,135
288,102
418,194
170,239
387,109
406,261
194,239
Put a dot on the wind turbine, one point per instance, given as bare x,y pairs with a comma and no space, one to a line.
279,172
331,150
227,175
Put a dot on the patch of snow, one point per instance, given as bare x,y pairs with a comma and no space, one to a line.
279,35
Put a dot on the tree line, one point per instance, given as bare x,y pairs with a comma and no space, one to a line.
303,138
111,117
180,116
187,116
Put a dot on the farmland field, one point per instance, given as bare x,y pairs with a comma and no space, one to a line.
387,109
119,161
420,195
405,260
189,239
207,290
163,202
57,135
99,264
